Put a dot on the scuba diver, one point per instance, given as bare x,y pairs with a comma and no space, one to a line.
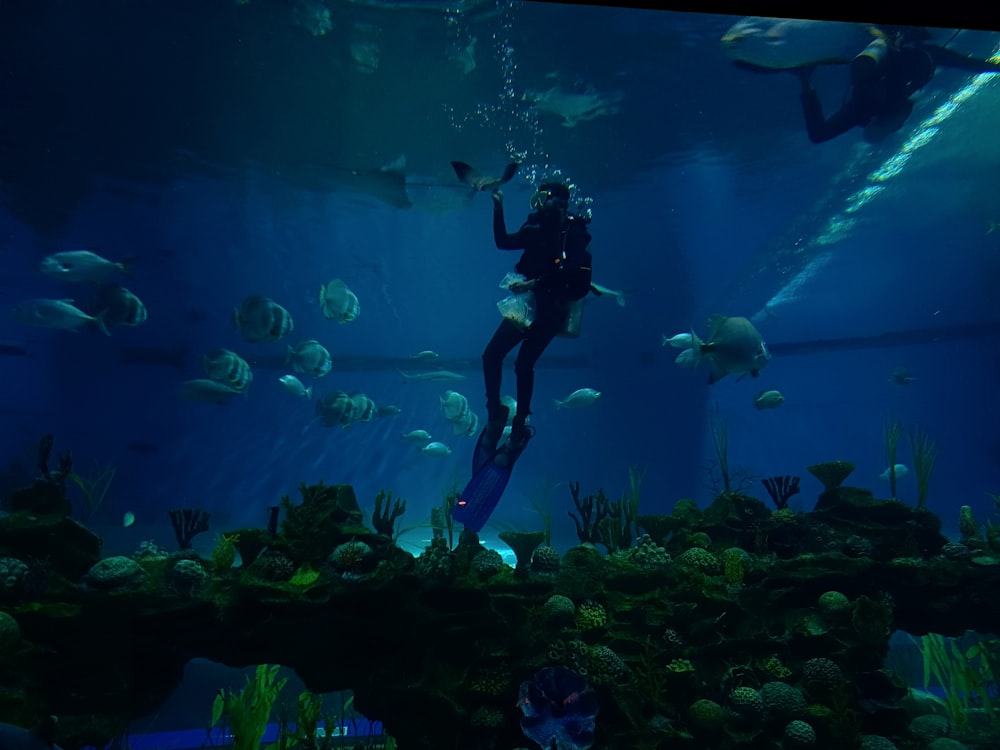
555,265
555,269
883,77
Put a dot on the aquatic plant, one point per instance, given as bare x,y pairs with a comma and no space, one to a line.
384,520
965,675
893,431
224,553
924,452
249,710
720,441
592,509
94,489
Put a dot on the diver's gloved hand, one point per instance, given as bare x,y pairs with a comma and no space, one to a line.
497,199
520,287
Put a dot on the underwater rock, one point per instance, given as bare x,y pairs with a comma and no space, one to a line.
115,572
559,709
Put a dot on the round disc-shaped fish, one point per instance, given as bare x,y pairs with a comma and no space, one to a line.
310,357
338,302
262,319
228,367
454,405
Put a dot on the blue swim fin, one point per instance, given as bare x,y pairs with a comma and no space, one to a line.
480,497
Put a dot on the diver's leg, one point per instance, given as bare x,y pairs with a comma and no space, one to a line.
538,336
505,338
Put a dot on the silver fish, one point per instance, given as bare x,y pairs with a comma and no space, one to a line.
431,375
579,397
56,313
81,265
769,400
338,302
295,386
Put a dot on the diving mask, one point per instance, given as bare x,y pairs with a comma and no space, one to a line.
542,198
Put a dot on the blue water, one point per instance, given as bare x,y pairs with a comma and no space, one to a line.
220,155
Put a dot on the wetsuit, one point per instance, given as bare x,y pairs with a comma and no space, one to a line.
556,256
884,95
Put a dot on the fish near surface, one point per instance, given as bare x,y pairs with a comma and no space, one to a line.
477,181
768,44
733,346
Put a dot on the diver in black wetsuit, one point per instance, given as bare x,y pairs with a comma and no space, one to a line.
556,265
883,77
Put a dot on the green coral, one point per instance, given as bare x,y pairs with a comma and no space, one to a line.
224,553
590,616
734,562
306,575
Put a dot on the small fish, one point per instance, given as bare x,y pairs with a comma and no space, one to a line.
901,376
425,354
128,519
678,340
294,386
81,265
417,436
203,389
478,181
686,359
436,449
901,471
387,411
56,313
733,346
431,375
602,291
769,400
579,397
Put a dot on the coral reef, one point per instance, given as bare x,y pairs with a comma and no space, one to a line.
729,627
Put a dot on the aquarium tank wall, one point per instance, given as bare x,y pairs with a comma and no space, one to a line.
265,262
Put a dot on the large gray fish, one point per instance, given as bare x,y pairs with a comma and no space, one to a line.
766,44
81,265
262,319
733,346
56,313
477,181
